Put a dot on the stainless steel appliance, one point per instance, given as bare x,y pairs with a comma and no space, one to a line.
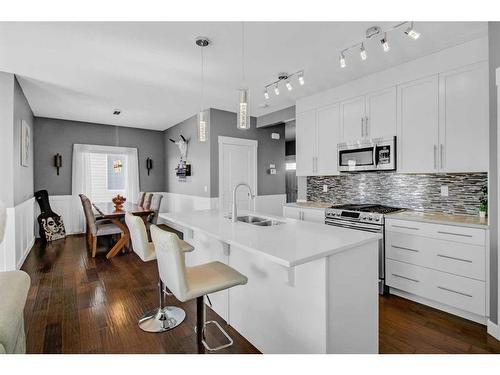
365,217
377,154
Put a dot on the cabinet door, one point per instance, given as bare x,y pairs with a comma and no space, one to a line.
328,136
314,215
292,212
381,113
306,142
352,117
418,126
464,119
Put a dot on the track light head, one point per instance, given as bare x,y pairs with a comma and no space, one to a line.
412,33
342,60
301,78
385,43
266,94
288,85
276,89
362,52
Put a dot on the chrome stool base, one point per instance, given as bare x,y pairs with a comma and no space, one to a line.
201,325
161,320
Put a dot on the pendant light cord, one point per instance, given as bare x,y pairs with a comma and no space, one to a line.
202,79
243,53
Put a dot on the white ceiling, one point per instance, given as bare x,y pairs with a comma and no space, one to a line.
151,71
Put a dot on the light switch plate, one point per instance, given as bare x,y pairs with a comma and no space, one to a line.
275,135
325,188
444,191
272,166
273,171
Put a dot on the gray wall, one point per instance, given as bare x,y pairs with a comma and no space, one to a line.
58,136
273,118
23,176
494,63
269,151
198,155
6,137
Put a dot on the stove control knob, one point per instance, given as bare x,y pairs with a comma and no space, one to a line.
370,218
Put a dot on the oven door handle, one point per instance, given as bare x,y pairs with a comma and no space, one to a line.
350,225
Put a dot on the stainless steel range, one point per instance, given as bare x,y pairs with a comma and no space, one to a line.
365,217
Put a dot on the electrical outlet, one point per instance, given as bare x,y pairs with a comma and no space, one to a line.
273,171
444,191
325,188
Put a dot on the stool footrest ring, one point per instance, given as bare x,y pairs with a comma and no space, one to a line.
212,349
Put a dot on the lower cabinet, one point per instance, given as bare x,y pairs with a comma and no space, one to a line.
444,265
314,215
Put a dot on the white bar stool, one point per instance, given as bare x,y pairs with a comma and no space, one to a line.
164,317
187,283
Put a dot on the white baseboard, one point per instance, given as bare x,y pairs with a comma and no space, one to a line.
493,329
440,306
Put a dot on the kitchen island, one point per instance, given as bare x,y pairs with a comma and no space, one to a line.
312,288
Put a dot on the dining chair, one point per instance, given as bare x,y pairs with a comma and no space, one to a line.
96,228
155,206
140,199
147,201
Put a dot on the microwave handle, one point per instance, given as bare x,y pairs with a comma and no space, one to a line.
375,161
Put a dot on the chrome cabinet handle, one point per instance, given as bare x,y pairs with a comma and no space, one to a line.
435,156
366,126
404,227
406,278
454,258
455,291
362,127
441,149
455,234
405,248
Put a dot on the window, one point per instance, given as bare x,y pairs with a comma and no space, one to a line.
108,173
291,166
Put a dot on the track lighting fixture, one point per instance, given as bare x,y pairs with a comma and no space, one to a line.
362,52
385,43
287,78
375,32
412,33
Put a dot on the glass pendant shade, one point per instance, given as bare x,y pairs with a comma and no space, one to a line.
202,126
243,114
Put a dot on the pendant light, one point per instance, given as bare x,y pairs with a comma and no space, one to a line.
202,115
243,110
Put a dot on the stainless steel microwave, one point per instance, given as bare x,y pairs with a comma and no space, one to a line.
377,154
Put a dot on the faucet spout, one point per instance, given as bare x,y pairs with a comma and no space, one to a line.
234,213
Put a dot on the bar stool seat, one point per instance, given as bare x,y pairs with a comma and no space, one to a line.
187,283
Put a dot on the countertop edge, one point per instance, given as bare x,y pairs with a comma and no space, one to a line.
401,216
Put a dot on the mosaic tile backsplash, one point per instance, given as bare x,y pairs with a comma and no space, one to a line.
421,192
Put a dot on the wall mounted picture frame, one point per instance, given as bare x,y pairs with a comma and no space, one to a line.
25,143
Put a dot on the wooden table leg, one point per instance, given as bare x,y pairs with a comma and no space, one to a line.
122,241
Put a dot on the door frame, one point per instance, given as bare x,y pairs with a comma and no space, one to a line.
241,142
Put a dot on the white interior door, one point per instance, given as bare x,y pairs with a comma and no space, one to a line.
237,163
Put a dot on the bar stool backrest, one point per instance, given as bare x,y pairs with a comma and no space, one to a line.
138,234
171,262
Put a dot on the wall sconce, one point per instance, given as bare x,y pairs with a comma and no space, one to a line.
149,164
58,162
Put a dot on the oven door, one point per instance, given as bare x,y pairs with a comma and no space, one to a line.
367,227
356,159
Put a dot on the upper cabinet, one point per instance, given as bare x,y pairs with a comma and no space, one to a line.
369,116
318,132
464,119
418,119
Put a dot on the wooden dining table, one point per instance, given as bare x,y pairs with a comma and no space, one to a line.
107,210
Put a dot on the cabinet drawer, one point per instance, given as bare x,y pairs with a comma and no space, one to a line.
460,292
472,236
448,256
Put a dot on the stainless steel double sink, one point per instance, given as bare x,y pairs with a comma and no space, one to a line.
256,220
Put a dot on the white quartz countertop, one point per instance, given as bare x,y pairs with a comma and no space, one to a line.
289,244
441,218
312,205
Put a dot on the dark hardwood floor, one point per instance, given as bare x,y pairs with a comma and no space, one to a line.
78,304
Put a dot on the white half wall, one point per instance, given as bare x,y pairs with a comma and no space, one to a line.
19,235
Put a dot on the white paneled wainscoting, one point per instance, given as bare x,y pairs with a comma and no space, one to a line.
19,235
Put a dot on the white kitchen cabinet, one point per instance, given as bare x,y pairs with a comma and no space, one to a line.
381,113
306,143
444,266
352,115
464,119
418,120
327,138
314,215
